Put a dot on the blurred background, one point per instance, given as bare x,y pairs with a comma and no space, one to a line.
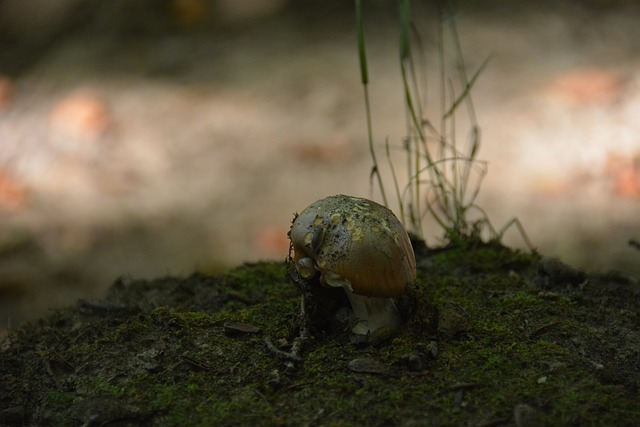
162,137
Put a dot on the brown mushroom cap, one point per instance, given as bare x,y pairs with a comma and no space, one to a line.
357,243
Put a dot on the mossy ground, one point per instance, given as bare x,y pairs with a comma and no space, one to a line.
494,329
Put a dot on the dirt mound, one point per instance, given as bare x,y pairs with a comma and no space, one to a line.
497,337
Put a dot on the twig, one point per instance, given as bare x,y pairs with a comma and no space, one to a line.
290,357
196,363
543,330
462,386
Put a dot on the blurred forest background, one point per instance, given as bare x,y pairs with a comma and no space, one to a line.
152,137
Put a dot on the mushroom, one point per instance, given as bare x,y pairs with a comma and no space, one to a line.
360,246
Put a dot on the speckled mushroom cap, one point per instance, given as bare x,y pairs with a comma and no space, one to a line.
355,243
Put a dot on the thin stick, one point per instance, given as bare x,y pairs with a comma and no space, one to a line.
281,354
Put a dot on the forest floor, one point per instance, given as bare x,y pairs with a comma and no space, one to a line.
491,337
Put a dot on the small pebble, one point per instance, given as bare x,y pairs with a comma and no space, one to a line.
232,329
527,416
368,366
413,362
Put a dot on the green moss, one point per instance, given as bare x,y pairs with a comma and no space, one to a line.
498,340
183,318
479,258
60,399
258,279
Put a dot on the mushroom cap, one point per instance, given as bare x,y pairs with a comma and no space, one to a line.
357,244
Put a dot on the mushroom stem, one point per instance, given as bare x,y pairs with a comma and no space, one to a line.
373,313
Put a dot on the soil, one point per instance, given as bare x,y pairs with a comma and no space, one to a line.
491,337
